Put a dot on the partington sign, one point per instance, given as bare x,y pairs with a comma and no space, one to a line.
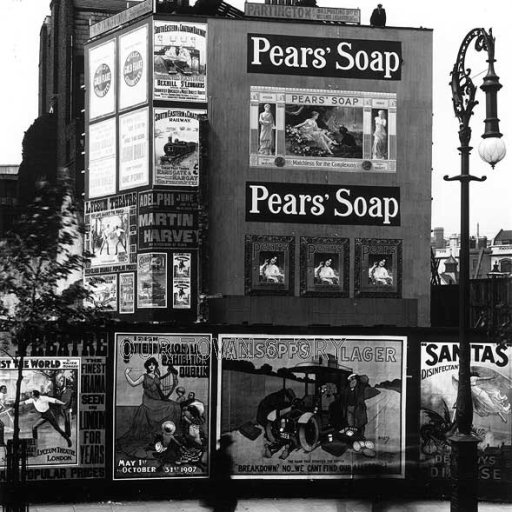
123,17
303,13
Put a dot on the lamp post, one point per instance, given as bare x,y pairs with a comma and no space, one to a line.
464,466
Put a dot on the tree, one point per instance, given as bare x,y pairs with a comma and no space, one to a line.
37,263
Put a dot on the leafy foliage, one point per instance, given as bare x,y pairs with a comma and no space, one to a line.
37,261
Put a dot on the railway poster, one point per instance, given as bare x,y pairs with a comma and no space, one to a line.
313,407
348,131
179,61
176,147
491,392
161,404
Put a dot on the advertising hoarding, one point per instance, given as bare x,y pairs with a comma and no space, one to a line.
320,56
162,395
102,79
179,62
176,146
350,131
168,219
308,203
300,12
111,239
133,67
102,158
152,280
104,291
134,149
71,370
269,265
181,280
127,293
313,406
324,266
491,394
378,267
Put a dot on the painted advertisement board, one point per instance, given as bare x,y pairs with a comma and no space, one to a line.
307,203
162,400
327,130
319,56
179,61
313,407
491,394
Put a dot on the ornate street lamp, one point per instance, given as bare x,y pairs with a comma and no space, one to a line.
464,465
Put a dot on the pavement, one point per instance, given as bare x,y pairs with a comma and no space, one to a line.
267,505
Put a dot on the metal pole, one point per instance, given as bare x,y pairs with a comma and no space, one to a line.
464,459
463,464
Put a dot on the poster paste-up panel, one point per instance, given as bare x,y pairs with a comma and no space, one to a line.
111,239
103,289
102,158
313,407
134,149
162,391
102,80
350,131
65,425
152,280
176,147
168,219
133,62
179,67
491,393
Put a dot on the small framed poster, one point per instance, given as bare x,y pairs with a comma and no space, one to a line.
269,265
378,268
324,267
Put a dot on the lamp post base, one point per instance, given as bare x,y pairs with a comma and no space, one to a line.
464,473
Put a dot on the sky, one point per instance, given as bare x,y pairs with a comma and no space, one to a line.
451,20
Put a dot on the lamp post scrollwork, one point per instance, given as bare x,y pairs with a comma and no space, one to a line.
464,467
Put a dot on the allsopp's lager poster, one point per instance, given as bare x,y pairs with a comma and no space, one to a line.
302,407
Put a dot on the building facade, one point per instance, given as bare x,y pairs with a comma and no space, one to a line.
284,189
61,76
